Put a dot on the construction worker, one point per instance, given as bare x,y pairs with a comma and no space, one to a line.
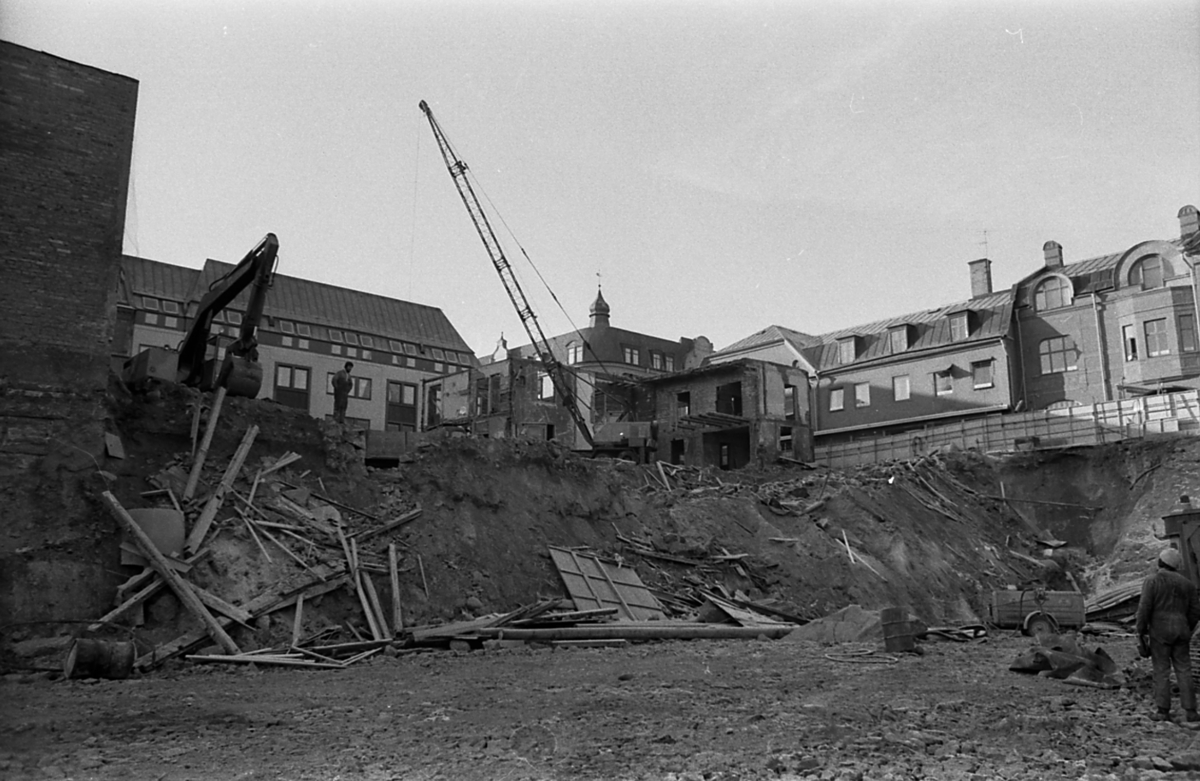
342,383
1167,614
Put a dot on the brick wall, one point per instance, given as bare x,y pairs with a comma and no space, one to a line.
66,140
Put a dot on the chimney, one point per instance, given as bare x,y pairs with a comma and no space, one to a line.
981,277
1053,252
1189,221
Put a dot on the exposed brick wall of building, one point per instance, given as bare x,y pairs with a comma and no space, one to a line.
66,142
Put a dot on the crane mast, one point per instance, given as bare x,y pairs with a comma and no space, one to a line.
553,367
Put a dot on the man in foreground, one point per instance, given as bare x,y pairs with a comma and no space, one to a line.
1167,614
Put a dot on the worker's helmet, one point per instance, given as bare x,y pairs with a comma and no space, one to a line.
1170,558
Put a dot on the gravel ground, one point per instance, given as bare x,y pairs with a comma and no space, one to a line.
672,710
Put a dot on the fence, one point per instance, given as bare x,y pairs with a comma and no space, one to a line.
1091,424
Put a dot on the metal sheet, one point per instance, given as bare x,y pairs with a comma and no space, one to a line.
595,584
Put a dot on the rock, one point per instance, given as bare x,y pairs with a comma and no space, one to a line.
474,603
1188,761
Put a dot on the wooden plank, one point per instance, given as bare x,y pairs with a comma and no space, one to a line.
267,660
373,598
209,514
181,587
147,591
202,455
296,620
387,527
241,615
394,573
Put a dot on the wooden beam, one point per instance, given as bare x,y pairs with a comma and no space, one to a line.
209,514
394,572
297,619
387,527
376,607
180,586
198,463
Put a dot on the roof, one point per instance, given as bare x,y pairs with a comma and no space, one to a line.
992,318
772,334
303,300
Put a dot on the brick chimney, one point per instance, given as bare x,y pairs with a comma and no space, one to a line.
1053,252
1189,221
981,277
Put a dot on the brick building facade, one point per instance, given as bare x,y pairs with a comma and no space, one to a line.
66,141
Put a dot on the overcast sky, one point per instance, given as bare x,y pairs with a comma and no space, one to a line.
723,166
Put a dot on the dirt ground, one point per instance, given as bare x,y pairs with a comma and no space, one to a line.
664,710
937,535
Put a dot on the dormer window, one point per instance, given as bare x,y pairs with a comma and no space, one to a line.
959,328
898,339
1147,273
1052,293
847,349
574,353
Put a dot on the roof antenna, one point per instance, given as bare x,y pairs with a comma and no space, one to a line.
984,243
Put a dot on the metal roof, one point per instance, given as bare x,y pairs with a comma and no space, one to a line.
302,300
772,334
991,316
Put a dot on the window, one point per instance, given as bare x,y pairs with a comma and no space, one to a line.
545,386
170,307
351,352
151,318
351,338
847,350
656,361
335,335
785,439
410,349
958,327
862,394
729,398
837,399
981,374
632,356
360,387
287,326
336,349
302,329
898,340
574,353
395,346
170,322
1147,272
368,342
291,377
438,355
218,317
683,404
234,318
1057,355
670,363
286,341
1156,337
451,356
402,393
900,388
1187,333
367,355
1053,293
943,383
150,303
303,344
192,309
789,402
1130,341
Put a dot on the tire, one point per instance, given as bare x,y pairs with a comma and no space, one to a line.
1039,623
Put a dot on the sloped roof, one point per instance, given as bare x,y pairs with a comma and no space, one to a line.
991,318
770,335
302,300
161,280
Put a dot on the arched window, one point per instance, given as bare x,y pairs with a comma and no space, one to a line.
1147,273
1054,293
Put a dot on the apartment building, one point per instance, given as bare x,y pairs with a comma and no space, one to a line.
308,331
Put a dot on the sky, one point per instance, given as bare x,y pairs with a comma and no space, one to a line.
718,167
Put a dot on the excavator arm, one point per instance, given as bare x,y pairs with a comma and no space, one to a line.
563,384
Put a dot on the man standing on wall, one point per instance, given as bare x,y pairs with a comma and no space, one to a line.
342,383
1167,614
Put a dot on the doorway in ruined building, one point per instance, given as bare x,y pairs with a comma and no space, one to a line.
727,449
677,450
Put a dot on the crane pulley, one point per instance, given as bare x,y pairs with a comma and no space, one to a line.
559,376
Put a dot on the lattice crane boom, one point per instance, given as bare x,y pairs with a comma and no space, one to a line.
563,384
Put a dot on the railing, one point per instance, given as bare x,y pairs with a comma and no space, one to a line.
1092,424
